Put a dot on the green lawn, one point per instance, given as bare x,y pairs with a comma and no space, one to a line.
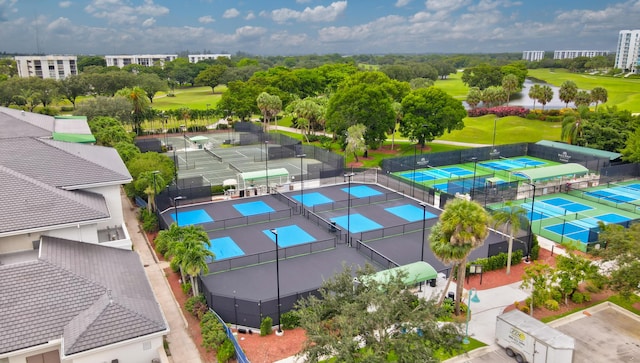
623,92
509,130
453,86
192,97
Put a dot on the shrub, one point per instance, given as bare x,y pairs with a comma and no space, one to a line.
265,326
213,334
175,267
290,320
226,351
551,305
500,111
587,296
217,189
577,297
66,108
149,220
186,288
194,303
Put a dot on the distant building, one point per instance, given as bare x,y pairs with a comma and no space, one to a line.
146,60
628,54
47,66
533,55
195,58
570,54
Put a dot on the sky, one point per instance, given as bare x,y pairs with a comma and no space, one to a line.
295,27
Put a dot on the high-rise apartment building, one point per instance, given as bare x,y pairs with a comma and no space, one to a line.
146,60
47,66
628,54
195,58
570,54
533,55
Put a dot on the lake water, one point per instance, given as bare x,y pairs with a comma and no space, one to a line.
522,98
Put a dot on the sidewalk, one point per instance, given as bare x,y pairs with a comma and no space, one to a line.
182,347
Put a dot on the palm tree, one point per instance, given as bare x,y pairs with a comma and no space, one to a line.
567,92
534,93
397,108
355,140
269,105
138,98
546,95
510,217
145,181
461,228
599,94
583,98
573,124
190,254
166,238
510,84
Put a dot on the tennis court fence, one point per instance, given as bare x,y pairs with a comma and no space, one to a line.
270,256
215,156
241,357
399,230
612,201
375,256
222,224
329,225
355,202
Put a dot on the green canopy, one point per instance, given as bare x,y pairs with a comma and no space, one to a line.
580,149
552,172
79,138
414,273
262,174
198,138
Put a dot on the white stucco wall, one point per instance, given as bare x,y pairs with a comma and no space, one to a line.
114,203
22,242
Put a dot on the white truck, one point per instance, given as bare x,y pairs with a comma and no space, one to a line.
532,341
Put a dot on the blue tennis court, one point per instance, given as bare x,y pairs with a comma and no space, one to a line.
357,223
571,230
457,171
418,176
410,212
311,199
630,192
225,247
546,209
612,218
191,217
609,196
529,162
290,236
362,191
568,205
253,208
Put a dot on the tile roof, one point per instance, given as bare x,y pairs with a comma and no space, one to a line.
62,164
31,204
17,123
89,295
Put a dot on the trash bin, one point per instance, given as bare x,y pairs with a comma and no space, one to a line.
451,295
290,186
432,282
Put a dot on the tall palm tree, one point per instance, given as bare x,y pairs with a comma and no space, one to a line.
567,92
463,225
138,98
534,93
510,84
510,217
573,124
397,109
145,181
190,254
599,94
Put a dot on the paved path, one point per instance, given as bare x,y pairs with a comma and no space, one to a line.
182,347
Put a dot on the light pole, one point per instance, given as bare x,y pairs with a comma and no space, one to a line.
473,297
164,120
424,218
175,207
266,162
530,239
493,143
349,175
275,233
413,178
184,136
155,188
301,156
473,186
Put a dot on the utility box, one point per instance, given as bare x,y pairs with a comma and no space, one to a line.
527,339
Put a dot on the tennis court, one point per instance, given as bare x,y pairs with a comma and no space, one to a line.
356,223
225,247
253,208
513,163
311,199
624,196
361,191
290,236
410,213
191,217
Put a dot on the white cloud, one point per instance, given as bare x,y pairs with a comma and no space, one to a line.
316,14
206,19
231,13
64,4
445,5
148,22
401,3
250,32
486,5
119,12
7,7
250,16
288,39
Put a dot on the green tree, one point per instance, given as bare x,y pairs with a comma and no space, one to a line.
621,248
46,90
151,183
571,271
211,76
510,85
573,125
510,218
187,246
140,102
240,97
535,92
72,87
567,92
117,107
269,105
461,228
416,83
546,95
631,151
151,84
482,76
147,162
355,140
540,279
583,98
108,131
383,317
474,97
518,69
494,95
428,113
599,94
444,69
126,150
93,60
397,109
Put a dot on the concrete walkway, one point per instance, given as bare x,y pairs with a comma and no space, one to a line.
182,347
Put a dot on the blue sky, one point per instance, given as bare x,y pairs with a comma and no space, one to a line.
285,27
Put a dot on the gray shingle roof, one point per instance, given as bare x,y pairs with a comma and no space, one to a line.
63,164
16,123
44,205
74,292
